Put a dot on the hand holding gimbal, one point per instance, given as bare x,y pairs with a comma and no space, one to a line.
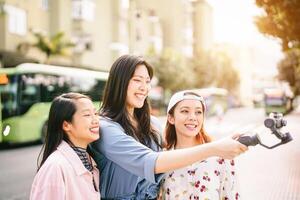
274,122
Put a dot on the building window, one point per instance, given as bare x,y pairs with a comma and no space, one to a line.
124,4
82,43
45,4
17,20
83,10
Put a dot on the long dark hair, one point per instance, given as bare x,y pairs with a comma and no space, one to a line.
170,132
114,100
62,109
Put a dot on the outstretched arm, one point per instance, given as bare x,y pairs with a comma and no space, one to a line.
138,159
226,148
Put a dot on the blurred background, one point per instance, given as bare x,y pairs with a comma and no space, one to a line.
242,56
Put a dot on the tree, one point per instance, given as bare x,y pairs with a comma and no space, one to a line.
205,71
227,76
176,72
289,69
281,20
50,46
172,71
215,69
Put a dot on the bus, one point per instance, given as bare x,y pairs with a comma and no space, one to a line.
27,92
216,100
277,100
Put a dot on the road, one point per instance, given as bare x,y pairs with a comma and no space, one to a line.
263,174
17,170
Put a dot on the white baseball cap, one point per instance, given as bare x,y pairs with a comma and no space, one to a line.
183,95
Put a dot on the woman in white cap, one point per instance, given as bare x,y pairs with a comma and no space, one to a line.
212,178
129,152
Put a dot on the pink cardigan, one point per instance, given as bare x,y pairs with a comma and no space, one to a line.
63,176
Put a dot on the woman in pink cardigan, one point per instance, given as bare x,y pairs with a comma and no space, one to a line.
66,170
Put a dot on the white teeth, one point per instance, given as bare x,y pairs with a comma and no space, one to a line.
190,126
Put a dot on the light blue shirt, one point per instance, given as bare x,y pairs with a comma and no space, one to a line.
126,166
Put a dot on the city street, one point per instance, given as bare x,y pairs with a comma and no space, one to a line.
17,170
119,52
263,174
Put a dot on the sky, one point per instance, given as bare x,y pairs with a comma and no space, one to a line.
233,23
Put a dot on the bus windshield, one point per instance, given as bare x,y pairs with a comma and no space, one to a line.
274,101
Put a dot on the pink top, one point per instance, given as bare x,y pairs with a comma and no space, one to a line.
63,176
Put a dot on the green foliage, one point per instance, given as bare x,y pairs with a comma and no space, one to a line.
204,69
227,76
55,45
175,72
215,69
172,71
50,46
289,69
281,20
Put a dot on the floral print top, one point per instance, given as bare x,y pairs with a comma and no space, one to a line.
210,179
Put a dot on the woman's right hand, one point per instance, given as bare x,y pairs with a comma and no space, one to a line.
229,148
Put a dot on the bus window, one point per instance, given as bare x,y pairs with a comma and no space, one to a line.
9,97
96,92
274,101
52,86
29,92
277,100
91,87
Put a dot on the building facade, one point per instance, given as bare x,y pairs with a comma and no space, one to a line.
102,30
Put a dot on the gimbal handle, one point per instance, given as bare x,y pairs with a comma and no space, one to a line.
255,139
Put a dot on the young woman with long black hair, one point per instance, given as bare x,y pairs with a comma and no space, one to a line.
66,170
129,152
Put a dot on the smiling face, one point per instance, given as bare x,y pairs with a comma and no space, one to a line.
138,88
187,118
84,127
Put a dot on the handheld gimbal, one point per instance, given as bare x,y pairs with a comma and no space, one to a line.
274,122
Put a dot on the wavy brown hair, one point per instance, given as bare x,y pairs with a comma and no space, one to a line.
170,132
